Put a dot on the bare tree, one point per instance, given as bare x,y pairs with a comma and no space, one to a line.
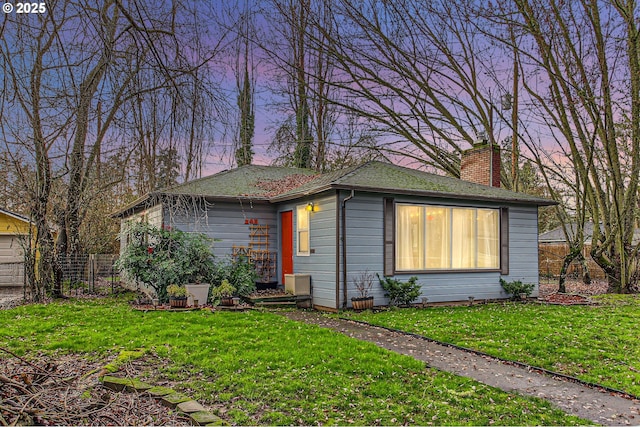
79,72
301,71
582,76
419,72
32,131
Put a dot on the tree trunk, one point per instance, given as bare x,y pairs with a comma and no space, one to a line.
568,259
586,275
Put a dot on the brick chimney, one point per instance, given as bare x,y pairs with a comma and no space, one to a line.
481,164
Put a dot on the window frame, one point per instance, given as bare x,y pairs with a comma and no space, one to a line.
303,209
502,246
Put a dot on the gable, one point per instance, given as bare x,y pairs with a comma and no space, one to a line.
13,224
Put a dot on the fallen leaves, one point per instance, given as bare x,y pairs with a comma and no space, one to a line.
42,391
288,183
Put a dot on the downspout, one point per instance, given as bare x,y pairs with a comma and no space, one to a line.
344,248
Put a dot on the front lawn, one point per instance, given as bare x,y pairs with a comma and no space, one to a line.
265,369
599,344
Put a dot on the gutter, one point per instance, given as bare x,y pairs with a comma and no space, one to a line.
344,247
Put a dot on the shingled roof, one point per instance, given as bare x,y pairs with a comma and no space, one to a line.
381,177
276,184
247,181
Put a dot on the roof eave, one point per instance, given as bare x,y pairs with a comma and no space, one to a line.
16,216
424,193
139,203
286,197
131,206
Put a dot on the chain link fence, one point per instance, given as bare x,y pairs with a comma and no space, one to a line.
89,273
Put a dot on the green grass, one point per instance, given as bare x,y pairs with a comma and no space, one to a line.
265,369
599,344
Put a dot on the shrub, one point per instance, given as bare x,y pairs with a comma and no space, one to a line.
239,272
177,291
223,290
400,293
516,288
158,257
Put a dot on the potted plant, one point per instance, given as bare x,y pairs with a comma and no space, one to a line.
224,291
363,284
197,292
177,296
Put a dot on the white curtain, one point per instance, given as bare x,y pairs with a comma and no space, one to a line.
437,237
438,244
409,237
463,238
488,242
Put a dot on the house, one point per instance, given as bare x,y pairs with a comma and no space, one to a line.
553,247
458,237
14,232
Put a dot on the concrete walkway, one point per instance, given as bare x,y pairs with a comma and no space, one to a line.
593,404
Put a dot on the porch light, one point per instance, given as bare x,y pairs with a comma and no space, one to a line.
310,207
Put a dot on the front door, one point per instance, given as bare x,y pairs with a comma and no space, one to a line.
286,237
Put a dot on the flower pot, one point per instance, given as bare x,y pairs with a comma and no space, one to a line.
177,302
197,291
362,303
226,301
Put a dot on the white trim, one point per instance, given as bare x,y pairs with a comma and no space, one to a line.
15,216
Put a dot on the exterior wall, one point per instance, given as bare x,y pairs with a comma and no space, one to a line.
481,165
13,233
152,216
365,252
365,248
321,262
12,226
225,223
523,246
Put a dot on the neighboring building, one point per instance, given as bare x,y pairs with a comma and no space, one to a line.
14,232
553,247
458,237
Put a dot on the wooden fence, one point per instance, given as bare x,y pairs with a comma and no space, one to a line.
551,256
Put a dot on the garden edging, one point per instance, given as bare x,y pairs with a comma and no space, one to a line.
168,397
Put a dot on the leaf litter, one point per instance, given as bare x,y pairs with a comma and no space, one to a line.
65,390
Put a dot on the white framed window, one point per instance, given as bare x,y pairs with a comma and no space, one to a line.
446,238
302,230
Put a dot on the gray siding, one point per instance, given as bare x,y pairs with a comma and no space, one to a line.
321,263
365,243
523,246
152,216
365,252
225,223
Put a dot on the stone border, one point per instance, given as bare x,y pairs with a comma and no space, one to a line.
167,397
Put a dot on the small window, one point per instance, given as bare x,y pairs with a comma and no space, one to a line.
302,230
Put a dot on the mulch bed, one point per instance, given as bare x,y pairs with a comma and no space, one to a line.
566,299
578,293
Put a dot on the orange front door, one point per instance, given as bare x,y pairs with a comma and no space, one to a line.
286,237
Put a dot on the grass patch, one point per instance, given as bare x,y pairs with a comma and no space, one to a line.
265,369
598,344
